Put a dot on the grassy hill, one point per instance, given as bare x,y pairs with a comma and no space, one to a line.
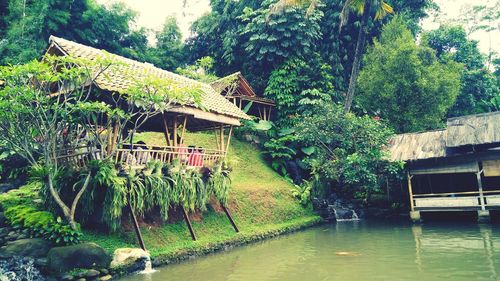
260,202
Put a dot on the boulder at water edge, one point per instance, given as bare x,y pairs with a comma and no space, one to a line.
127,256
84,255
30,247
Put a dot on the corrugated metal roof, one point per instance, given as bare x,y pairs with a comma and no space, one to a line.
116,79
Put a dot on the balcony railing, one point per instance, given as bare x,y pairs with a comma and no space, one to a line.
140,155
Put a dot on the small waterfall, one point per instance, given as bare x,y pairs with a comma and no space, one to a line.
148,266
345,214
19,269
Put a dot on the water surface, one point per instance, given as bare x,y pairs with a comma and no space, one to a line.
353,251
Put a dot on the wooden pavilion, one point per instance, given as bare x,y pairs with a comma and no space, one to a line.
453,169
236,89
215,113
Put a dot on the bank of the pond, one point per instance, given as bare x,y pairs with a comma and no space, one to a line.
260,202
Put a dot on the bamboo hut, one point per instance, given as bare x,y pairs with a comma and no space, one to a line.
453,169
215,113
236,89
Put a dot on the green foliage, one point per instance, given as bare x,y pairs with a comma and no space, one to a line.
22,209
169,51
297,85
201,71
303,192
348,153
406,84
477,84
219,183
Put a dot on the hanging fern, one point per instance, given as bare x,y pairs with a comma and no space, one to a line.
219,182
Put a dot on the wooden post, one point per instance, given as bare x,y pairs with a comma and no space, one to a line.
136,225
410,191
480,187
221,132
217,139
188,222
260,112
174,132
230,218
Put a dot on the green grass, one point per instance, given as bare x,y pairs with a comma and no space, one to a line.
260,202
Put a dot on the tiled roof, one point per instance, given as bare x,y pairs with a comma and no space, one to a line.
116,79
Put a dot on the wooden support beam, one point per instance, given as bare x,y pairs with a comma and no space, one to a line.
480,187
269,113
188,222
260,112
136,225
230,218
410,191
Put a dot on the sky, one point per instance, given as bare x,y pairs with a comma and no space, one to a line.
152,14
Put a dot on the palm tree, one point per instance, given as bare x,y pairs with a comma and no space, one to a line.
364,8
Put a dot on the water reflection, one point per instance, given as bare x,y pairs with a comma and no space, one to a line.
384,251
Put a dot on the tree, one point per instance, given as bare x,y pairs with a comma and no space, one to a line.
29,25
169,50
364,8
478,84
46,105
405,83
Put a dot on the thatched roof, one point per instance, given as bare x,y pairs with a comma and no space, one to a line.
116,80
416,146
236,85
471,130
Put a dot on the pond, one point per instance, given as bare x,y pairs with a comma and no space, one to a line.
362,250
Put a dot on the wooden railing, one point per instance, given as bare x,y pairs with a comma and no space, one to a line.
452,200
140,155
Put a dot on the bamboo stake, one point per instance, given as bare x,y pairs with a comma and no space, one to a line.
175,132
221,137
183,129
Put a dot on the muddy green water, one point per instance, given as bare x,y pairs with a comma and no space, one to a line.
375,251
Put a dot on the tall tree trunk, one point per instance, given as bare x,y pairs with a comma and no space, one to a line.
357,56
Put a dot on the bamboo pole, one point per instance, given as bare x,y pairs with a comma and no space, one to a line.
260,113
136,225
183,129
269,117
166,132
217,139
229,138
188,222
174,132
230,218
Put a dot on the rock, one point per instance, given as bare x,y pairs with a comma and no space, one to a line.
41,262
104,271
106,277
92,273
84,255
66,277
81,279
127,256
32,247
20,268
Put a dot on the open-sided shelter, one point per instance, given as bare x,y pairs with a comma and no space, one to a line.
453,169
236,89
